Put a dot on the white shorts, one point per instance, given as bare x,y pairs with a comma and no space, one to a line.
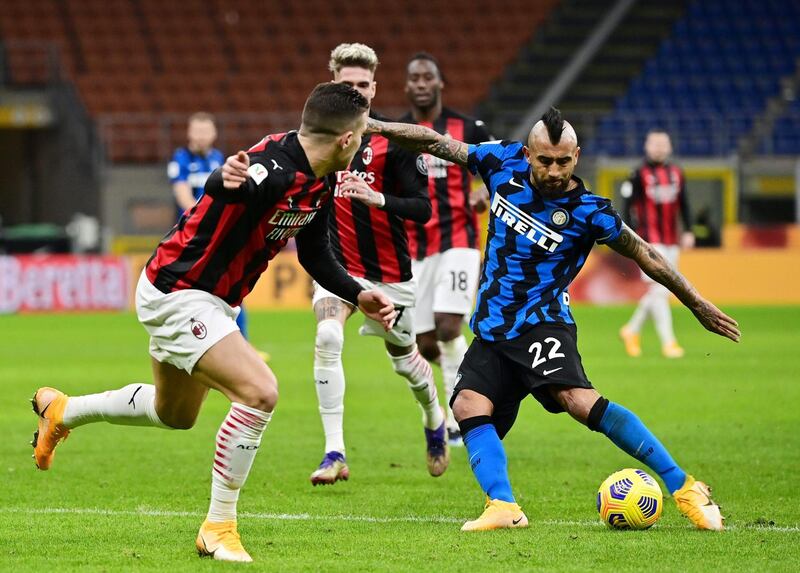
446,282
183,324
402,296
669,252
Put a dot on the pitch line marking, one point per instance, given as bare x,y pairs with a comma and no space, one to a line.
146,512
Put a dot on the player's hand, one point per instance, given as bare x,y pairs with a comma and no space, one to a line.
716,321
687,240
479,199
378,307
234,172
354,187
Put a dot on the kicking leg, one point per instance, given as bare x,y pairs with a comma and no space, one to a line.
628,433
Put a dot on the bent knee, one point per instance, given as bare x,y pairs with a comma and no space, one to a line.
261,395
429,349
178,421
577,402
448,330
468,404
330,336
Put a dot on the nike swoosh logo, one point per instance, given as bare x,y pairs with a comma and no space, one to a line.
513,182
546,372
516,521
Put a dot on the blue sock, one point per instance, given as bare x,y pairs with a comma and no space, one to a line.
627,431
241,322
487,458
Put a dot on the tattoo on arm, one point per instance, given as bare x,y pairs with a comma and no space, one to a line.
656,266
422,139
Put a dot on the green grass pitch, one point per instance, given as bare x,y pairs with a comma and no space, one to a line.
122,499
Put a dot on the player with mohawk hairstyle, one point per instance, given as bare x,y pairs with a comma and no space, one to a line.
543,223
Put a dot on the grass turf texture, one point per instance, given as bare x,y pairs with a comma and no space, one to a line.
727,412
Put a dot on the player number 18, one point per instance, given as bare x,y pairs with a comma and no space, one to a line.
459,280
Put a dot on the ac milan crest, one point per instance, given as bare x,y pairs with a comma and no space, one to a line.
366,155
198,329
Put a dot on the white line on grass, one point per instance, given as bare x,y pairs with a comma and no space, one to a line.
145,512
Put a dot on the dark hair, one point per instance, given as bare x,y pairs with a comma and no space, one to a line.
554,123
332,108
427,57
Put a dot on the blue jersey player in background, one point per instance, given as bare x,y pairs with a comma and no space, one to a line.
542,226
189,168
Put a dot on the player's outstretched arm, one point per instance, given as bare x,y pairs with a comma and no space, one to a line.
660,270
421,139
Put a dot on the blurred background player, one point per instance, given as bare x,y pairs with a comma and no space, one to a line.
188,171
445,249
545,222
383,186
187,295
654,198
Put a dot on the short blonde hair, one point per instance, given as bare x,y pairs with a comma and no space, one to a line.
355,55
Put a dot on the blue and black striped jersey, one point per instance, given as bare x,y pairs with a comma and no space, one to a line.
535,245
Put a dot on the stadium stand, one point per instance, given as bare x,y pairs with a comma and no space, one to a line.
710,80
139,70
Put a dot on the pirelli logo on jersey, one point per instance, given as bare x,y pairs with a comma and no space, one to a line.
533,230
288,224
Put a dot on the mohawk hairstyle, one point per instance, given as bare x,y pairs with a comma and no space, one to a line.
427,57
554,123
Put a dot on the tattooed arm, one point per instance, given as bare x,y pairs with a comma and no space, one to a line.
421,139
660,270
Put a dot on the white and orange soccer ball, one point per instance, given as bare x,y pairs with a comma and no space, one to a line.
630,499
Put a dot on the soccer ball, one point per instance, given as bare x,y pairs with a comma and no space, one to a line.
629,499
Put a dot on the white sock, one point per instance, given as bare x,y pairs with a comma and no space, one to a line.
133,405
329,381
238,439
453,352
662,316
640,314
416,370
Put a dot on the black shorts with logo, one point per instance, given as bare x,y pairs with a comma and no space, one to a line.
508,371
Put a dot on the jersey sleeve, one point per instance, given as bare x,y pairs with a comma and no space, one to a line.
605,224
486,158
411,173
260,186
178,167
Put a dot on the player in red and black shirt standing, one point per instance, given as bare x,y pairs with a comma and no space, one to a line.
445,249
188,296
655,197
384,187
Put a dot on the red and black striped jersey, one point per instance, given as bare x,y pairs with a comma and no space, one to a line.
224,243
453,223
369,242
655,195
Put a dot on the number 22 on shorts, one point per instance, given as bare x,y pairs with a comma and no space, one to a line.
537,349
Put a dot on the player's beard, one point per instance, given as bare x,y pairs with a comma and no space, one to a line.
552,189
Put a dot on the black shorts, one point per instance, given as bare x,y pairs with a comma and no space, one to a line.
507,371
